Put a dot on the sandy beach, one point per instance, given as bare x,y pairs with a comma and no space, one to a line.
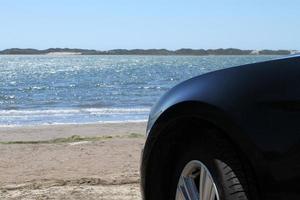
94,161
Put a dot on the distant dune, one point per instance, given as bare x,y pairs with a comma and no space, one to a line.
184,51
64,53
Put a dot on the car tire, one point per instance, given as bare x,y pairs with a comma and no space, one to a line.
217,155
224,178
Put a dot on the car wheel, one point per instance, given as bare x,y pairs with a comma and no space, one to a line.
208,171
203,166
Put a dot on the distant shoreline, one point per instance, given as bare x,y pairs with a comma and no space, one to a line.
183,52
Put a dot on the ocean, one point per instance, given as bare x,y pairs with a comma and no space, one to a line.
54,89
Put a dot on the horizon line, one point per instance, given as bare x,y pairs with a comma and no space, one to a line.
224,48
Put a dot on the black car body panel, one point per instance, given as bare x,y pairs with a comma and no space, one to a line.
258,106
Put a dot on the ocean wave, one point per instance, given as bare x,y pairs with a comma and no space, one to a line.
71,123
91,111
7,97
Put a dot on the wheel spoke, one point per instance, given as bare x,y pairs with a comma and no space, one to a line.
187,189
206,187
196,183
212,195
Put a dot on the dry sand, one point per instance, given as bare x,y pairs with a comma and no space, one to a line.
100,168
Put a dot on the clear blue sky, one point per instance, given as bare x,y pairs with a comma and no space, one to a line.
110,24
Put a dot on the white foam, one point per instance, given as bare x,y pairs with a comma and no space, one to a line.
79,123
12,118
93,111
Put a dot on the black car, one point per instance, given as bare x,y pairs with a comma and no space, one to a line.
232,134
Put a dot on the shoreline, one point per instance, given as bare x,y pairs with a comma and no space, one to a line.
54,131
79,123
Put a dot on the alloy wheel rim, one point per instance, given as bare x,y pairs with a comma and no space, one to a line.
196,183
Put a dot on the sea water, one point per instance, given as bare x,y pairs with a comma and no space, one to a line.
43,89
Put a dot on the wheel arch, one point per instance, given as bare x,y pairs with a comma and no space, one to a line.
207,115
204,113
